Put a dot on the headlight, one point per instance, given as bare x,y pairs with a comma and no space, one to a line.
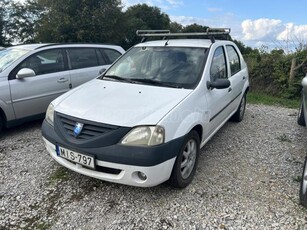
144,135
50,114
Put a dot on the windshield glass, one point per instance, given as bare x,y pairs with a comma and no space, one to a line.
179,67
9,55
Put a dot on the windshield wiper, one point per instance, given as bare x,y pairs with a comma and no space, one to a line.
154,82
118,78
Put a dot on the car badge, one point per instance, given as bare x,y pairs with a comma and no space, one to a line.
78,128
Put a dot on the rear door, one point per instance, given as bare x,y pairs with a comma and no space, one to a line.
86,63
31,96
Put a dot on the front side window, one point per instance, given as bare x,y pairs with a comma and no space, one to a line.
82,58
48,61
234,60
9,55
179,67
218,67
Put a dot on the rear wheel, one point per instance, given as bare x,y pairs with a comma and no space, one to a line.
239,114
186,162
303,188
300,115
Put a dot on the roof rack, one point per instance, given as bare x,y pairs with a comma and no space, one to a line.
211,32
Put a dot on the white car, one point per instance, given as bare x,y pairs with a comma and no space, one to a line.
301,120
145,119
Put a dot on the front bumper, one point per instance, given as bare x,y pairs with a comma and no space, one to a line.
118,163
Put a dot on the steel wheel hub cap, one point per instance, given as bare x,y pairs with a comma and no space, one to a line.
188,159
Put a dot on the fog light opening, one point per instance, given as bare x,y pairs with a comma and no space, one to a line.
142,176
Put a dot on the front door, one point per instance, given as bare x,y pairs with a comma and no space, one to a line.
31,96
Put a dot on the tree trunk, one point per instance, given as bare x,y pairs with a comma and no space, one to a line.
292,70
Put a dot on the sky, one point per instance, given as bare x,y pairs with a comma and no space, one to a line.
257,23
272,23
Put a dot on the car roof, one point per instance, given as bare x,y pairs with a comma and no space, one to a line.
36,46
205,43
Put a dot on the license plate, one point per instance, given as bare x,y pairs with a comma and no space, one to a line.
79,158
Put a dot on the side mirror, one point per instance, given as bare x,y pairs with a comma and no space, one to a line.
102,70
218,84
25,72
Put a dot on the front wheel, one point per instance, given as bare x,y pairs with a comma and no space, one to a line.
1,123
239,114
303,188
186,162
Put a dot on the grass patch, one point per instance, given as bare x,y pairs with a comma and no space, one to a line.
60,174
297,179
264,99
284,138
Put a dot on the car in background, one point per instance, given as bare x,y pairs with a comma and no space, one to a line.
301,120
172,96
33,75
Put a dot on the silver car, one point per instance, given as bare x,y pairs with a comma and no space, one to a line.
301,120
31,76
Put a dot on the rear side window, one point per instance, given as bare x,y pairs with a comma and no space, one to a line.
218,66
45,62
82,58
234,60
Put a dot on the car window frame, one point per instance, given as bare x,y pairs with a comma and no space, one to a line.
225,60
69,59
13,73
228,57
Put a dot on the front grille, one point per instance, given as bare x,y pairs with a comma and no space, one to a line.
90,129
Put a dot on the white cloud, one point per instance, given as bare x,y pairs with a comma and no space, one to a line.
272,31
214,9
262,28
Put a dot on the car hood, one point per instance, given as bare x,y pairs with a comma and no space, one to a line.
119,103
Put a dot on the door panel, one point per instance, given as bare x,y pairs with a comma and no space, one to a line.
218,99
31,96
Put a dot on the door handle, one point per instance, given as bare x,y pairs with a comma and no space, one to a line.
62,80
229,89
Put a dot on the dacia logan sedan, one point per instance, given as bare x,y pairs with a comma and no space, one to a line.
145,119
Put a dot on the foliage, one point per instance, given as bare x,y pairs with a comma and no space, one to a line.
79,21
142,17
23,21
3,22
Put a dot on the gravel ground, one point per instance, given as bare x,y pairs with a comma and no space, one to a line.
247,178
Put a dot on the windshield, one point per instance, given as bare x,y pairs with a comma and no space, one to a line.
9,55
179,67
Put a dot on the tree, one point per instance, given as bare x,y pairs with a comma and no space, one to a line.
80,21
142,17
3,22
22,25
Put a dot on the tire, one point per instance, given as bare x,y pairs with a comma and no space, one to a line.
300,115
1,124
186,162
303,188
239,114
